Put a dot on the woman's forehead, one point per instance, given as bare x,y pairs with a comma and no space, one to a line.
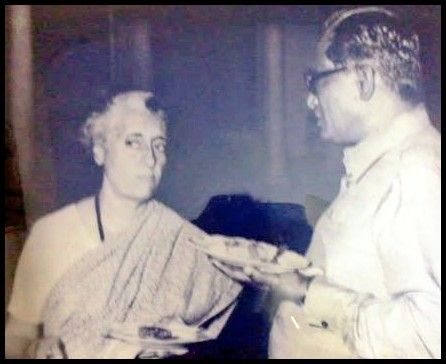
145,124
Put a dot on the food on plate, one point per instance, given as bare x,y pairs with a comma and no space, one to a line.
155,331
240,253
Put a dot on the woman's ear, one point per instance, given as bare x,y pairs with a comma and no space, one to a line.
99,153
366,81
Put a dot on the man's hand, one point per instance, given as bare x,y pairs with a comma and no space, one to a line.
290,286
285,286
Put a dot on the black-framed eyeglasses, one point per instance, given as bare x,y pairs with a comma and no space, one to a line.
312,77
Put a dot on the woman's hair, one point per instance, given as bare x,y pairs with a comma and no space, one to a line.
376,34
99,123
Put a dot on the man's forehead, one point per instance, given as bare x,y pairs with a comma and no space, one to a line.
340,16
333,22
321,61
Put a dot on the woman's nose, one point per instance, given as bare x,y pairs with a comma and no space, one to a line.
150,157
312,101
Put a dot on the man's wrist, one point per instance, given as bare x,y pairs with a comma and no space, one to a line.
307,283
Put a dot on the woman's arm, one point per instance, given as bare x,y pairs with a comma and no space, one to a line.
20,337
22,341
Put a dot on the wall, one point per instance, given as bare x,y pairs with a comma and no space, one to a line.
210,78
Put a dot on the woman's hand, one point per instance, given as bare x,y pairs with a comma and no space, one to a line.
171,351
47,348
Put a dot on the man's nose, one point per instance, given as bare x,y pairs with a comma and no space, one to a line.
312,101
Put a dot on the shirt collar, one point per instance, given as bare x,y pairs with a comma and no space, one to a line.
361,156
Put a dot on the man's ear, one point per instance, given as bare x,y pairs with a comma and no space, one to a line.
99,153
366,81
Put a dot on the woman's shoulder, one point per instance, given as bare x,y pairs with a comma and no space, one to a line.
177,222
61,219
55,217
170,213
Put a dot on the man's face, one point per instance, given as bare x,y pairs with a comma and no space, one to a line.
335,99
134,155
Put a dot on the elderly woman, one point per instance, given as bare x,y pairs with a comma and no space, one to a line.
118,257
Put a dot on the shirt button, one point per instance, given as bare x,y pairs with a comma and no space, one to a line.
324,324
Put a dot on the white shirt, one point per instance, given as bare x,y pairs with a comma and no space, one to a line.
379,243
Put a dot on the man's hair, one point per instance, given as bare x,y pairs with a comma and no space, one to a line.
377,35
97,125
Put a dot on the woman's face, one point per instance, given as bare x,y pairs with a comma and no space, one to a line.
134,155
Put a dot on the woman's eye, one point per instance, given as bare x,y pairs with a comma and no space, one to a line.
160,147
135,144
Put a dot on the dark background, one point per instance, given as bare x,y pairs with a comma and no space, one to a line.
206,64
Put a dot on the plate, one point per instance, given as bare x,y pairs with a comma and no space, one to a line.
180,334
241,253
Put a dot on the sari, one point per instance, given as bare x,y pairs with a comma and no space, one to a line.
146,274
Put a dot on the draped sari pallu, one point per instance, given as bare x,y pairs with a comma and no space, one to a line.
148,273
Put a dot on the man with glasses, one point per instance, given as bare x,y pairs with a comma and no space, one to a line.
379,241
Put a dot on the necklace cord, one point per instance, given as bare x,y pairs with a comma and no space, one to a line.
98,217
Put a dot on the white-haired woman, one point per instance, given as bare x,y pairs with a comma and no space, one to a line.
115,257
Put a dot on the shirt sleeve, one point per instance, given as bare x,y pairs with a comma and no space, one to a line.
407,323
